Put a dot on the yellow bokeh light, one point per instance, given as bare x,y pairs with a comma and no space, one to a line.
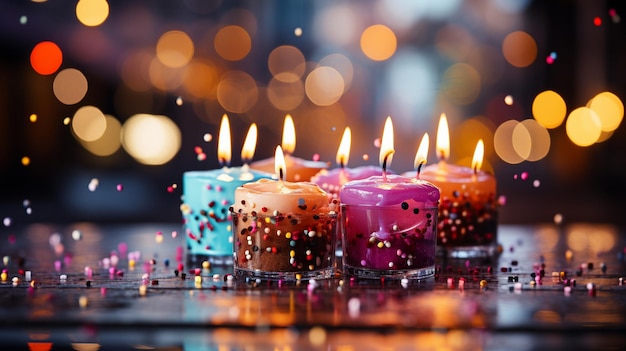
135,71
503,142
609,108
549,109
465,136
175,49
583,126
593,238
232,43
70,86
151,139
286,63
25,161
237,92
342,64
285,96
521,140
92,13
461,84
163,77
109,142
540,139
33,118
200,79
324,86
88,123
378,42
519,49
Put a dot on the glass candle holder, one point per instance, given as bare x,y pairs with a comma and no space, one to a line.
389,241
284,247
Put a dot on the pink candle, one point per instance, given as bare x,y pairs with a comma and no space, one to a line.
299,169
389,223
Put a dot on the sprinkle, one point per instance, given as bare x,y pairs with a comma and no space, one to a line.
28,276
5,260
7,221
207,137
404,282
179,101
197,279
63,277
206,264
82,301
524,175
567,290
142,290
93,184
354,306
508,100
536,183
483,284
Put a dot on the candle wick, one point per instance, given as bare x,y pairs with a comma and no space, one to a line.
223,162
342,164
475,169
419,168
442,155
281,174
385,165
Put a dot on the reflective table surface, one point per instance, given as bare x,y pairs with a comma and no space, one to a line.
86,286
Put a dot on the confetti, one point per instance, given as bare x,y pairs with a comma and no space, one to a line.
207,137
119,187
558,218
23,20
597,21
66,121
508,100
25,161
7,221
76,234
93,184
33,118
366,157
179,101
297,32
316,157
524,175
536,183
377,142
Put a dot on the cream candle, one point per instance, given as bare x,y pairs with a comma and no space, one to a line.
282,229
299,169
207,196
389,222
468,207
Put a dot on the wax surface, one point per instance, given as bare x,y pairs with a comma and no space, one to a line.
375,191
298,169
285,197
332,180
450,178
207,196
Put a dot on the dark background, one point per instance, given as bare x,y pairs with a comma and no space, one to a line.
582,184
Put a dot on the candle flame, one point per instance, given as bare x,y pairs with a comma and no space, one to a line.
343,153
280,167
422,152
289,135
386,145
249,144
443,138
223,143
479,152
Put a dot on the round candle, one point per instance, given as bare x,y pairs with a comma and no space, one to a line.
207,197
283,228
389,223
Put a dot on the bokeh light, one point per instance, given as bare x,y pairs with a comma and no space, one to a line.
285,96
461,84
92,13
110,140
519,49
609,108
88,123
70,86
151,139
465,135
232,43
336,24
324,86
539,139
135,71
237,91
342,64
175,49
378,42
163,77
46,58
200,79
521,140
503,142
286,63
583,126
549,109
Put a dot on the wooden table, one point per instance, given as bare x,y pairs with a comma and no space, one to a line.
109,310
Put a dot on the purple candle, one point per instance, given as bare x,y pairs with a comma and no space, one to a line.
389,222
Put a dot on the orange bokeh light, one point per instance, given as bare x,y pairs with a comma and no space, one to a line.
46,58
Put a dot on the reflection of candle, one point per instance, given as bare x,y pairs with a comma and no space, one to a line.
283,229
389,222
299,169
332,180
207,195
467,210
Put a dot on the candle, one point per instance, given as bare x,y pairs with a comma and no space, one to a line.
467,210
283,230
389,222
332,180
299,169
207,196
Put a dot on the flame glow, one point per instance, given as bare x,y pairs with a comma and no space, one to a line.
443,138
280,167
479,152
249,144
386,145
289,135
224,152
343,153
422,151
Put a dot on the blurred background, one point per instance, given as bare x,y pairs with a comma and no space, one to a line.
104,105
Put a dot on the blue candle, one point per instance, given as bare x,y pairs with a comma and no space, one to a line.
207,197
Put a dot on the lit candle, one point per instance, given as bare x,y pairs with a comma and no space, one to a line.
467,210
283,229
207,196
332,180
299,169
389,222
